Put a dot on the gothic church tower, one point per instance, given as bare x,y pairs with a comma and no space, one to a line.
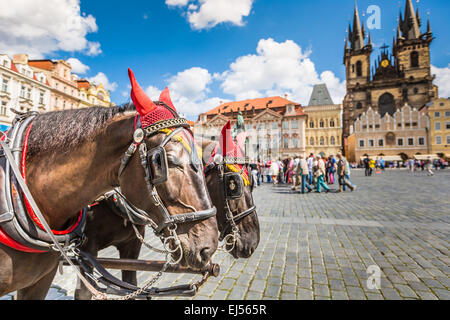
398,77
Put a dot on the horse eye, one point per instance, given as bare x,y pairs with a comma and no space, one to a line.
173,161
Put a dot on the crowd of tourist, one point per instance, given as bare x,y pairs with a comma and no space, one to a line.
311,173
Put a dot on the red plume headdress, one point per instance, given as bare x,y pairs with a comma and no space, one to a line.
149,111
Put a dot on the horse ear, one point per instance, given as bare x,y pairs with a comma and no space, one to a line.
141,101
165,97
227,144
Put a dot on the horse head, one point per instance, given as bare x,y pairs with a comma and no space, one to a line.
230,186
166,181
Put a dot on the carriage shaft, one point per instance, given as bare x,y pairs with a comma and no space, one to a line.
144,265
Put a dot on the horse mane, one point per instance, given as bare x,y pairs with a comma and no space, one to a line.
59,131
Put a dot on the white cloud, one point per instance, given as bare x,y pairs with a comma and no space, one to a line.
442,80
103,79
188,90
176,3
93,49
40,27
206,14
191,83
277,69
77,66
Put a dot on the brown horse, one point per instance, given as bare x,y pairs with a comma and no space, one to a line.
74,157
122,234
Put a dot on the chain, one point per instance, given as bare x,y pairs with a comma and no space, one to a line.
144,288
145,243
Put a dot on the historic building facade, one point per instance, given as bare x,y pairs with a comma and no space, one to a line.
93,95
324,124
439,114
64,86
405,134
22,89
398,77
275,126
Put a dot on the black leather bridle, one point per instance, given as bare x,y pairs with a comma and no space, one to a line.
146,157
231,219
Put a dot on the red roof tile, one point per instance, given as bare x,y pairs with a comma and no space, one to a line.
260,103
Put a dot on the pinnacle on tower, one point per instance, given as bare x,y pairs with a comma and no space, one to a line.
357,36
410,26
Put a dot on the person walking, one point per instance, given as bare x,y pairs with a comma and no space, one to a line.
296,174
303,168
343,171
372,166
254,172
274,170
331,169
310,162
320,174
366,166
411,165
429,166
382,164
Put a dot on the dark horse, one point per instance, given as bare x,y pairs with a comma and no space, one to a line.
73,158
122,234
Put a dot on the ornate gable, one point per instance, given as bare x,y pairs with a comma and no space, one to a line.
267,115
219,120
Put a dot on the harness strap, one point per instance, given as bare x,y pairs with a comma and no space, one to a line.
38,213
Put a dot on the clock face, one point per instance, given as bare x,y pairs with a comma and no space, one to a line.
385,63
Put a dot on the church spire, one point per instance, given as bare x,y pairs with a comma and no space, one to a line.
357,39
410,25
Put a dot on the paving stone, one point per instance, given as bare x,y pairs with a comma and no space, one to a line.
326,242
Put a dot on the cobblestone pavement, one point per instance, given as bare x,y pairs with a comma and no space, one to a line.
320,246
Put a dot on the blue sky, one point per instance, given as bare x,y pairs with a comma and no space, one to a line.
208,56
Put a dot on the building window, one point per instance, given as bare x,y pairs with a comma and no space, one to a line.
448,139
294,124
311,124
331,123
410,141
3,108
41,98
311,141
286,143
437,126
447,114
275,125
447,125
438,140
285,124
361,143
400,142
332,141
437,114
295,142
380,142
28,93
322,123
414,59
371,143
421,141
359,69
5,85
359,105
22,91
322,141
266,125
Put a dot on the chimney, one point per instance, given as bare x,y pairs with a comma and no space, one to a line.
20,58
